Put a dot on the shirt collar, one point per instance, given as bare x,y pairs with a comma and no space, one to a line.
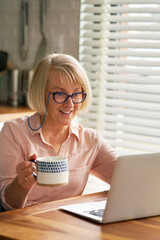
74,129
35,123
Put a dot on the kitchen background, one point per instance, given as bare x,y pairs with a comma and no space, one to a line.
61,29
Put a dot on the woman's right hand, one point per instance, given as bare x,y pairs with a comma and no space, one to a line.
25,171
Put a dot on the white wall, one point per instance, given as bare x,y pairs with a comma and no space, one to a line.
61,28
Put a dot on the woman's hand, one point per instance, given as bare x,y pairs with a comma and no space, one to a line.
25,171
16,193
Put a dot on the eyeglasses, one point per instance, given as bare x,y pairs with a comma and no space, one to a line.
60,97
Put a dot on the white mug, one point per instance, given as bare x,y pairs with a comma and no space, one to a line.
52,171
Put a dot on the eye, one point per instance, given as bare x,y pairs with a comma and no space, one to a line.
59,97
60,93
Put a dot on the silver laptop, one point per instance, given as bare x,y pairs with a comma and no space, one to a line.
134,192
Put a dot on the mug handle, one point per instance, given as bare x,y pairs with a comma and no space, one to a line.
34,174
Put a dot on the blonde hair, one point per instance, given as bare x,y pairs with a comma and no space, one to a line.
61,63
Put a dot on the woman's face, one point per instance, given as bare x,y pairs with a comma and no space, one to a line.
61,114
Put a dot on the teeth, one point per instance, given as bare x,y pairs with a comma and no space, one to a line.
67,112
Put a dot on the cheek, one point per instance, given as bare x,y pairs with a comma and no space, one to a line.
48,99
77,107
51,105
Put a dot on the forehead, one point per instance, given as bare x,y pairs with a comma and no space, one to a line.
62,80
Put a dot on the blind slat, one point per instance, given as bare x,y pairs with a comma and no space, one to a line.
133,129
131,120
98,18
132,104
92,2
131,112
130,44
124,9
109,35
133,87
127,146
120,50
117,52
131,79
121,61
132,96
120,44
131,137
115,69
128,1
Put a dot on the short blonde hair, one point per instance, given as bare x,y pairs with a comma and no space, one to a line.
61,63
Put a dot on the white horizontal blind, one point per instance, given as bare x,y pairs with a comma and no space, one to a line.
120,50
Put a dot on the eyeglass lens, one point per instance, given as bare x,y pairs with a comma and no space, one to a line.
61,97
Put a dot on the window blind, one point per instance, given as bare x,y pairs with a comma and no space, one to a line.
119,48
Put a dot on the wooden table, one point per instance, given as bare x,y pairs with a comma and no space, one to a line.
11,109
45,221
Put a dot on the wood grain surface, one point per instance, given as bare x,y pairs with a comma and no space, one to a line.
8,113
46,221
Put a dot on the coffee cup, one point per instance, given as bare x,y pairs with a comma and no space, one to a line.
52,171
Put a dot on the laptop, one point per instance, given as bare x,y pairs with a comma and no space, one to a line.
134,192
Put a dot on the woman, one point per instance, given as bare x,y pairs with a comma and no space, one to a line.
58,91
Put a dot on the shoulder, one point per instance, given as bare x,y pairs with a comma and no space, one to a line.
92,137
12,130
15,126
14,123
88,134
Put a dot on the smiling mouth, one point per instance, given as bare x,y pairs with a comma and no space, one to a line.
65,112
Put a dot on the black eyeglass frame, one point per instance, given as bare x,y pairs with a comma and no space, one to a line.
67,96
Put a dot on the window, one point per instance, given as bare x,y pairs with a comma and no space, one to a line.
120,51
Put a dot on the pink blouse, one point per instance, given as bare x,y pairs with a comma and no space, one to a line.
87,153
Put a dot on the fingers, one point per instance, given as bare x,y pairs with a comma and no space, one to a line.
25,168
33,157
26,182
25,172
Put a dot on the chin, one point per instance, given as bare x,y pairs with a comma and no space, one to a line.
65,123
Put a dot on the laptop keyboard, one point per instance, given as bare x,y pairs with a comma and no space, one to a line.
98,212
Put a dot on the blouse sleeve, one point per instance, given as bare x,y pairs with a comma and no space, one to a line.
105,161
11,155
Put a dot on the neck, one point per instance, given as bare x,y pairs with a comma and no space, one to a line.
55,134
54,128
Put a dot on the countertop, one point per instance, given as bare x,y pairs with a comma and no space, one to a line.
10,109
9,112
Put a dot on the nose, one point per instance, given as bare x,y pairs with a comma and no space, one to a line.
69,102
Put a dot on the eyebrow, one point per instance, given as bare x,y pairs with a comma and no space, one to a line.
62,89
